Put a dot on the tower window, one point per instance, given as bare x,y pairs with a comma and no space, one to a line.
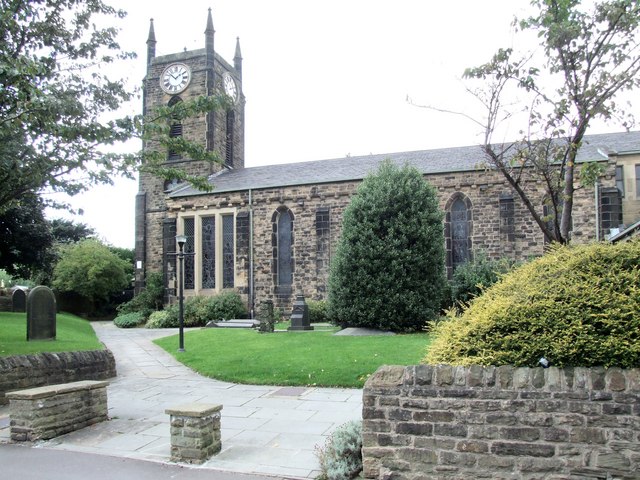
175,130
231,120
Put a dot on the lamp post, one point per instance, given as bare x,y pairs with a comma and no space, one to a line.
181,239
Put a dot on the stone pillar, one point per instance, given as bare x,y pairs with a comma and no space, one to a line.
195,432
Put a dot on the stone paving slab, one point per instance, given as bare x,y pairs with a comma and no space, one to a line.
265,430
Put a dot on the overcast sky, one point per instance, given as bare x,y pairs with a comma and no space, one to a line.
322,79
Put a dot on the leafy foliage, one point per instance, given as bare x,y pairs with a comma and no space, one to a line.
148,300
592,54
163,319
341,457
574,306
91,270
53,94
388,270
470,278
317,311
198,310
128,320
25,237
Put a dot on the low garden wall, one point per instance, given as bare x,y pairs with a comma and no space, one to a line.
27,371
501,423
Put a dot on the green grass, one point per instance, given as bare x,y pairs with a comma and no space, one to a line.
72,334
293,358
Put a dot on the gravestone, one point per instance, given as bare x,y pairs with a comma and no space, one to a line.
300,314
19,300
41,314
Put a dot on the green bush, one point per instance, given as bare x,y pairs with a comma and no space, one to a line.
128,320
163,319
317,311
470,278
198,310
148,300
341,456
388,269
575,306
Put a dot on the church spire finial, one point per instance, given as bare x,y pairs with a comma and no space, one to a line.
237,59
208,40
151,43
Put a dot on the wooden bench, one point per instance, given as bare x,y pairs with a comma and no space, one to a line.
47,412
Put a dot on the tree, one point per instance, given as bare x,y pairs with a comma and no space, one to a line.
91,270
68,231
591,57
54,93
388,269
25,237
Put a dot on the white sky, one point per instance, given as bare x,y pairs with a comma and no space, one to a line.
322,79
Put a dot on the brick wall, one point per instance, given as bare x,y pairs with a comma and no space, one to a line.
501,423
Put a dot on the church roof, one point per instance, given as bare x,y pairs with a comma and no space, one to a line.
442,160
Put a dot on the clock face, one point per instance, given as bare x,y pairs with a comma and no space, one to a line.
175,78
230,86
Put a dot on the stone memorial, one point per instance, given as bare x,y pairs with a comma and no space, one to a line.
41,314
19,300
300,314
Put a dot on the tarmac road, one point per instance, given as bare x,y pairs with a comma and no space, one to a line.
33,463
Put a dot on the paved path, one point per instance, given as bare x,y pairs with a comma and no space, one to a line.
265,430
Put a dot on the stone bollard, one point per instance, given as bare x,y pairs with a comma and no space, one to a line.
195,432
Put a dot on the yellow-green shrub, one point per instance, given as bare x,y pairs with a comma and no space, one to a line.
575,306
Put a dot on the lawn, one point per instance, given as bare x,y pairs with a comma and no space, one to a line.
72,334
293,358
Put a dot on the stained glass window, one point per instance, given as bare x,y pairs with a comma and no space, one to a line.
189,263
228,251
284,248
459,233
209,252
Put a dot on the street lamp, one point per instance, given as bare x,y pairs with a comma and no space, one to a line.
181,239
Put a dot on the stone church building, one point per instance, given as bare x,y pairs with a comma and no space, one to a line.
270,231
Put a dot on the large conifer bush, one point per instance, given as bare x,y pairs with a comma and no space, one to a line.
575,306
388,270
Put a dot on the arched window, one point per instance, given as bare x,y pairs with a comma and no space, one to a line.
231,121
283,243
175,129
458,229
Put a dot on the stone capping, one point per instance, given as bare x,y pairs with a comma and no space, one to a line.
509,378
194,410
469,422
19,372
53,390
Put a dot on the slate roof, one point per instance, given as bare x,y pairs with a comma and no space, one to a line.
443,160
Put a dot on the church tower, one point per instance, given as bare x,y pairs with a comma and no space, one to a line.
171,79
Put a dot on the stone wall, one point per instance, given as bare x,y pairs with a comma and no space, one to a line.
501,423
48,412
318,210
27,371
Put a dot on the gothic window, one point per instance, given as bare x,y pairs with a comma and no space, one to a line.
459,233
637,181
175,129
228,252
507,220
458,229
283,237
189,264
209,252
231,120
